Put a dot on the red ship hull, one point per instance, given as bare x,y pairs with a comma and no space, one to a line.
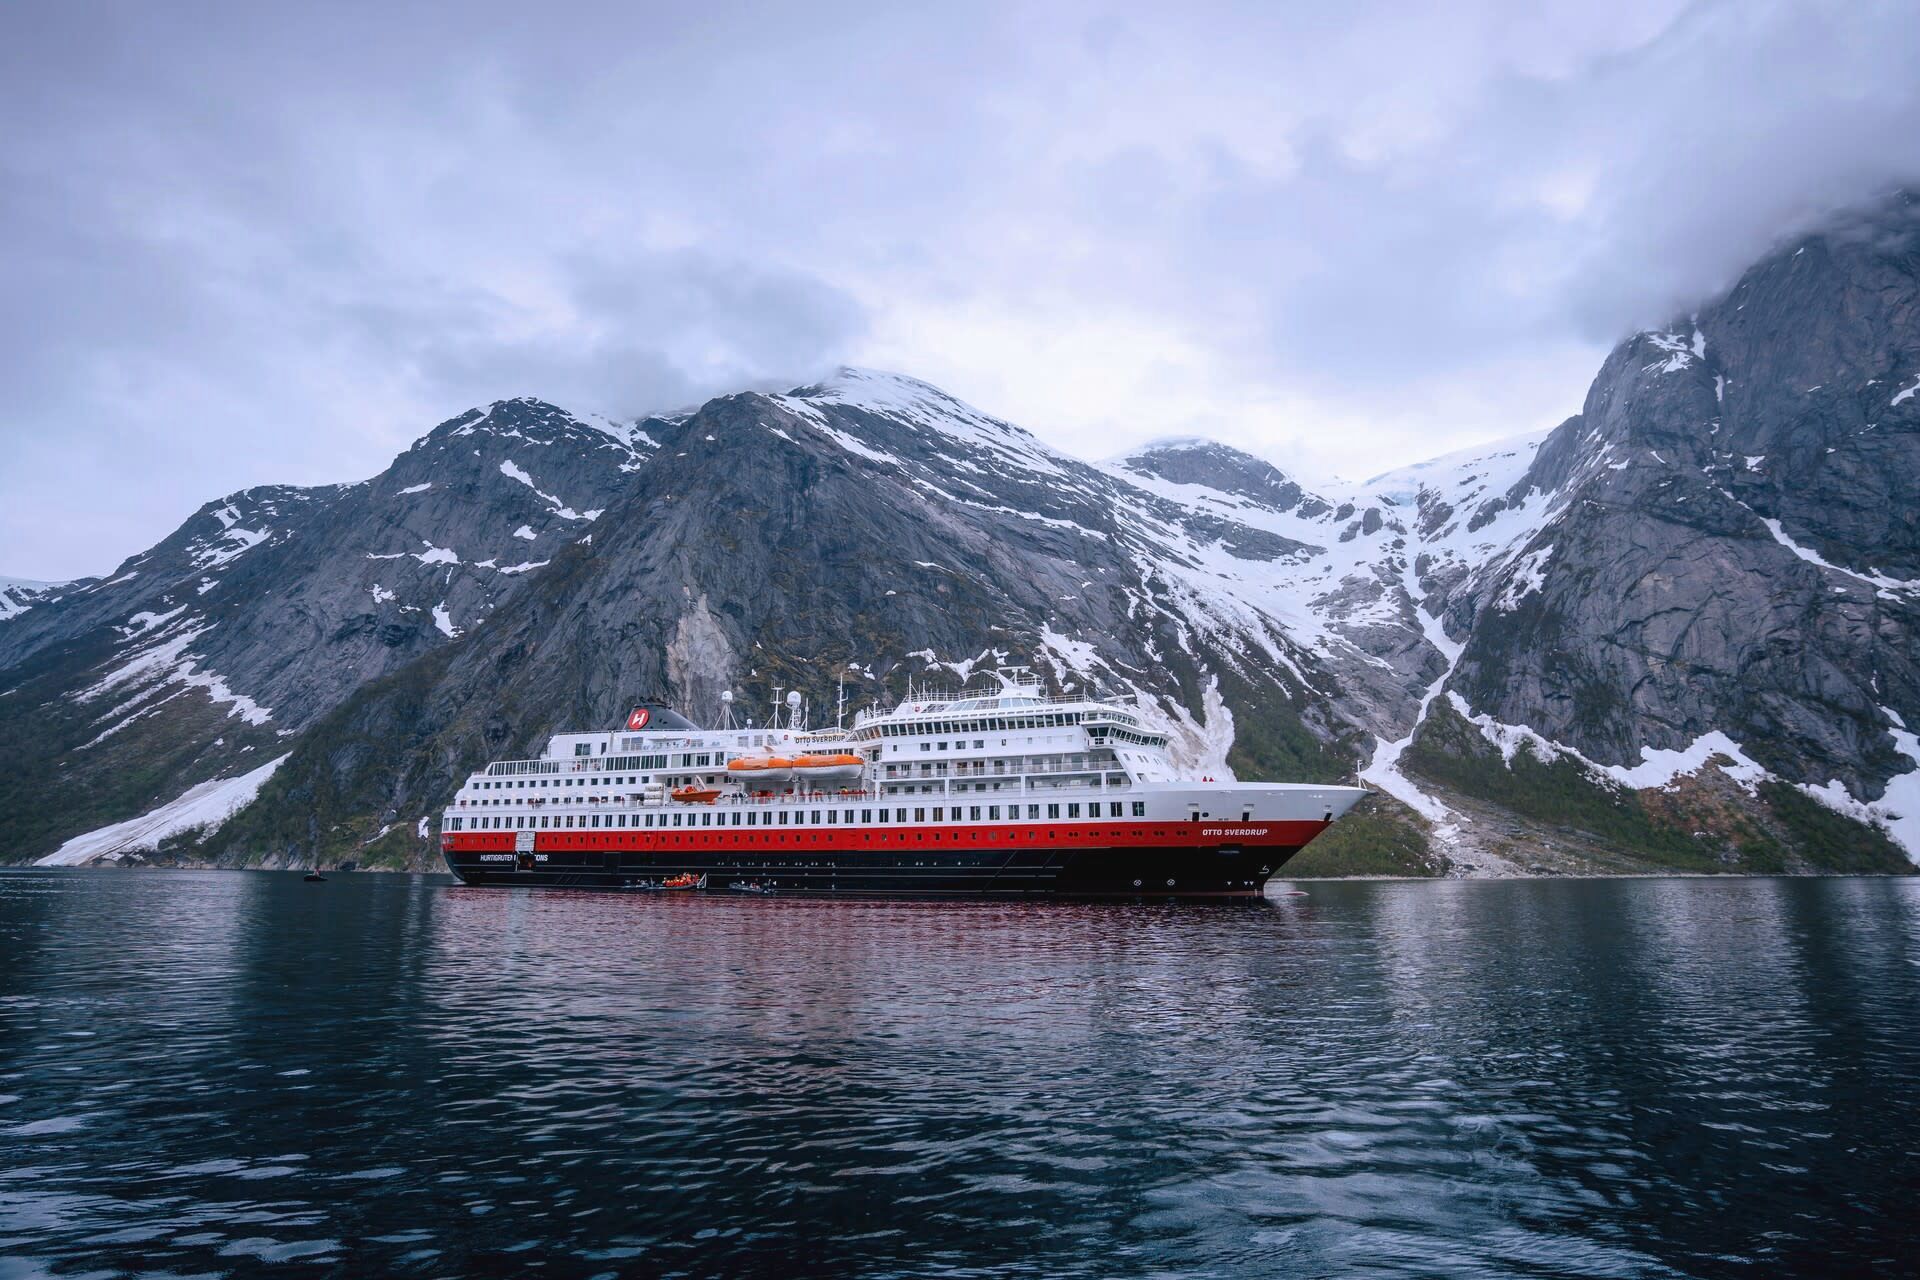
1104,859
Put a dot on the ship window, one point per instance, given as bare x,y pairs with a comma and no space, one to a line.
974,813
736,818
926,746
1073,811
1053,810
676,819
942,746
1139,808
1113,810
919,815
833,815
582,749
979,744
1033,812
816,817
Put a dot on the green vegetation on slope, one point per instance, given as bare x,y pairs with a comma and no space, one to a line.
1704,823
1380,837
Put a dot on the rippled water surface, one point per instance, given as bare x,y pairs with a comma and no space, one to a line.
236,1073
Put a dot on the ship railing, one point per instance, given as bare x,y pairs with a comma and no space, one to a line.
943,705
1010,771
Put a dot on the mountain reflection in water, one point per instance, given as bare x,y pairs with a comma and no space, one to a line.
205,1072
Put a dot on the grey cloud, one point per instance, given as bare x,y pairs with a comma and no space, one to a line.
249,243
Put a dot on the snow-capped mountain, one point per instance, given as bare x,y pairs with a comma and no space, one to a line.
17,595
1676,631
201,656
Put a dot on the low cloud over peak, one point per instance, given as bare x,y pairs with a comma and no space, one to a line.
268,244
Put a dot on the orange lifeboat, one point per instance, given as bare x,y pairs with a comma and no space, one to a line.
691,794
835,766
761,772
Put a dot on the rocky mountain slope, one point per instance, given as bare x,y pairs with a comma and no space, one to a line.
1677,631
207,653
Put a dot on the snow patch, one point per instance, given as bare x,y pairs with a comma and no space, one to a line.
1529,574
1878,581
471,427
525,531
444,620
1076,655
141,623
1197,746
1682,350
418,488
232,542
561,509
167,662
1658,767
17,595
207,805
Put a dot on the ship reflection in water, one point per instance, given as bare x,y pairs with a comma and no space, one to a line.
202,1072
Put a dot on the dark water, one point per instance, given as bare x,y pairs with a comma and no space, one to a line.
237,1073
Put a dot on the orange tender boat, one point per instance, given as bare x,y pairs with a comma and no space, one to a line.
761,771
691,794
836,766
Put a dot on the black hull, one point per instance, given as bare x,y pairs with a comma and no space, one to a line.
1231,872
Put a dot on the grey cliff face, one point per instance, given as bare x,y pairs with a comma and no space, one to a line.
1734,547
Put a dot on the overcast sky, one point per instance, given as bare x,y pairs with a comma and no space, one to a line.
274,243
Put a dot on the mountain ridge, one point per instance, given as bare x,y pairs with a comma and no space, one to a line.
1620,644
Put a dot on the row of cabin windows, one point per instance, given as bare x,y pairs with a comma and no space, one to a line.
993,724
767,818
635,779
563,782
682,760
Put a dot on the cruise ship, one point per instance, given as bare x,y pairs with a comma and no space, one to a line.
1012,793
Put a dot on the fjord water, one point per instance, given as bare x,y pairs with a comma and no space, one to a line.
238,1072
